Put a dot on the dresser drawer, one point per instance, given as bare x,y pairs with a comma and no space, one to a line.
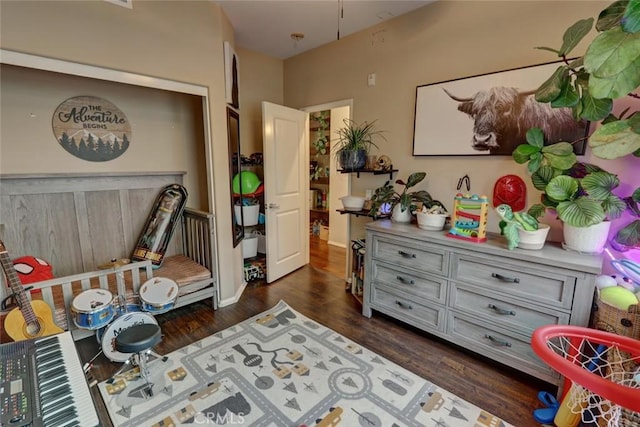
503,312
425,286
505,346
413,254
423,316
515,278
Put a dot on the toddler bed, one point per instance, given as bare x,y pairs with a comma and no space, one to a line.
81,221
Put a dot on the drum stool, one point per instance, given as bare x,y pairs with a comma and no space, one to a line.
138,340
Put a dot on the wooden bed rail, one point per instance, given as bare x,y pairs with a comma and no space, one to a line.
79,221
123,282
198,243
198,238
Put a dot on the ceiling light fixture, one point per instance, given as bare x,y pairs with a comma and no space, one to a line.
296,37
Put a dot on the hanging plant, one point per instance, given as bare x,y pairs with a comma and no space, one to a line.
321,141
317,172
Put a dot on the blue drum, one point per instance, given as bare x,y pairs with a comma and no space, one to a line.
131,316
158,295
93,309
120,311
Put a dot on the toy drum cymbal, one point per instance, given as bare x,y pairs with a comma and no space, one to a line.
115,262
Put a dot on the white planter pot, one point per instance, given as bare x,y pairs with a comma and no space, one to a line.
249,214
586,239
432,222
397,215
533,239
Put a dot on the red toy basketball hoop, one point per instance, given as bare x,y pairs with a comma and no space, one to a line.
604,368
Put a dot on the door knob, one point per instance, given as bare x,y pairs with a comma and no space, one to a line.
273,206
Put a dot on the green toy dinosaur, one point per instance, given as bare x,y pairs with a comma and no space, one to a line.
512,221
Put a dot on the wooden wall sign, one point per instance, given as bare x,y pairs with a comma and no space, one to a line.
91,128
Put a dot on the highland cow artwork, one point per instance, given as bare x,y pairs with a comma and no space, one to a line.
490,115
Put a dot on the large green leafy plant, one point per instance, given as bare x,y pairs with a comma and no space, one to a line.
581,193
609,70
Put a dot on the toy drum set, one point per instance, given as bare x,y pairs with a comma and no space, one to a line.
98,310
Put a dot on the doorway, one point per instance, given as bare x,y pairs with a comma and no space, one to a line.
328,248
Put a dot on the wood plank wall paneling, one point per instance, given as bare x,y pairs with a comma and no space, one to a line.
79,221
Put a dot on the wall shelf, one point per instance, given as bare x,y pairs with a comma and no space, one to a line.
373,171
362,213
320,181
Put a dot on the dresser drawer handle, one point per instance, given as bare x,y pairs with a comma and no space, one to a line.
406,254
405,281
505,278
502,310
404,305
497,341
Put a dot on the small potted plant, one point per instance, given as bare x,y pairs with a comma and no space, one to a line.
432,218
581,193
354,143
521,229
386,199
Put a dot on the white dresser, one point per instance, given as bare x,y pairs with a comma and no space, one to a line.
480,296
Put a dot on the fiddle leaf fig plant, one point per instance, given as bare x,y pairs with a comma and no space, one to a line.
558,156
610,69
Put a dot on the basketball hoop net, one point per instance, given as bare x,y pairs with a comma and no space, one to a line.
601,370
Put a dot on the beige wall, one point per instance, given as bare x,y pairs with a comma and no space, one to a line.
174,40
183,41
166,127
442,41
260,80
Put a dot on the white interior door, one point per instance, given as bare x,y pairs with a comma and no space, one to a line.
286,180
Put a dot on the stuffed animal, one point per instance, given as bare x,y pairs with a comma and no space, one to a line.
512,221
31,269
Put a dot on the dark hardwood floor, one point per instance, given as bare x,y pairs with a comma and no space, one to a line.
317,292
326,257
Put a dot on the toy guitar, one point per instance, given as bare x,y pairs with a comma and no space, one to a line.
32,318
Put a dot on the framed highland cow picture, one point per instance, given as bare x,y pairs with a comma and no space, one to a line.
490,114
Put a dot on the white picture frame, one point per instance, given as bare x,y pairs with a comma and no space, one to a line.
442,129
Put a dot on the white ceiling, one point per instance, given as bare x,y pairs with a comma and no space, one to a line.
266,25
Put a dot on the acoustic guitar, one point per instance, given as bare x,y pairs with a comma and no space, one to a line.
31,319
